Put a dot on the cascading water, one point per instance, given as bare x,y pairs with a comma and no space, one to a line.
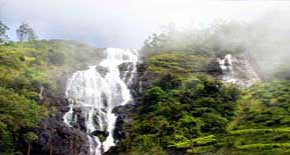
226,66
95,92
238,70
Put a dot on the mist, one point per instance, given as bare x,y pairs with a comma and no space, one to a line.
126,23
262,27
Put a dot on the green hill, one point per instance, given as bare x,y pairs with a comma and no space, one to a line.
25,69
184,108
189,112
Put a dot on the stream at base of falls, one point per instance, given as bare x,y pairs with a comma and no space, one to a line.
95,92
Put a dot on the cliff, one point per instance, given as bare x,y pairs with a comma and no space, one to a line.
37,72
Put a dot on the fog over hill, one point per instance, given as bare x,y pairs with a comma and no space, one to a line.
261,27
126,23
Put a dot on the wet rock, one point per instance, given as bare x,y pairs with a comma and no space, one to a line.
125,69
59,138
119,132
241,71
102,70
97,133
124,66
54,135
101,134
123,113
213,67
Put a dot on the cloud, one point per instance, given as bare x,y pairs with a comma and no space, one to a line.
120,23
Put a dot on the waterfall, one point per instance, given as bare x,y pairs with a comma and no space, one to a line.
226,66
238,70
95,92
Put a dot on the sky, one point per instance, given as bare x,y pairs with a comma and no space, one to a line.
123,23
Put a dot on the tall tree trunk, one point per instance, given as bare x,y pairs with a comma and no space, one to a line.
28,149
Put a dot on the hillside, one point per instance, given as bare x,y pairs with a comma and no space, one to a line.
184,111
181,105
32,80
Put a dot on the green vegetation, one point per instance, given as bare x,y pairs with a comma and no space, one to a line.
184,109
25,68
175,111
177,63
193,113
181,110
17,112
268,105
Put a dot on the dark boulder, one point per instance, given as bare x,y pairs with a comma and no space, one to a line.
125,70
56,136
213,68
101,134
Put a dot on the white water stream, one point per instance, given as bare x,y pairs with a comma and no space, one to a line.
238,70
226,66
95,92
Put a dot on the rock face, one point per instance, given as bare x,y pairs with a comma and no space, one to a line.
54,136
213,68
238,69
59,139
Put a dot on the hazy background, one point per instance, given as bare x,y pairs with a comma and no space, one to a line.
125,23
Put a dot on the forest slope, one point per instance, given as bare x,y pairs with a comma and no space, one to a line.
31,84
184,111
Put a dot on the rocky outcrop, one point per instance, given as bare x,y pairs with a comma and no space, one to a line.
59,139
54,136
238,69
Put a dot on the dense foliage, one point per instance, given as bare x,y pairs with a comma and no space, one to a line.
268,106
262,126
178,63
189,112
27,68
176,110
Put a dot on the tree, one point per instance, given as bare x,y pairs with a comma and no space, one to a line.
25,33
3,35
17,112
29,138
